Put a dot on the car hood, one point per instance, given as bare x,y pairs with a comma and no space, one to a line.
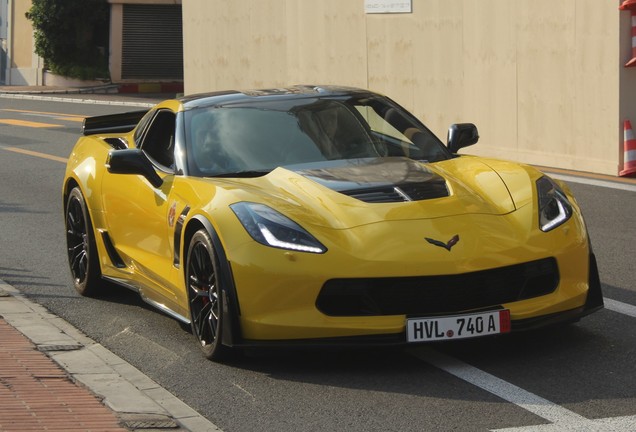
347,193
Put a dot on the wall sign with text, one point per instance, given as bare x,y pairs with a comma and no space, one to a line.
388,6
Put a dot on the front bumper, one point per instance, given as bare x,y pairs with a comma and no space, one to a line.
593,302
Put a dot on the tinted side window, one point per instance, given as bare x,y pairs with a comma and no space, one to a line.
142,126
158,142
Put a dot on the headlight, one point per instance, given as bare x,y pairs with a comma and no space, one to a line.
554,207
269,227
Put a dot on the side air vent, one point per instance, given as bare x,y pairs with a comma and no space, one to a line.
112,252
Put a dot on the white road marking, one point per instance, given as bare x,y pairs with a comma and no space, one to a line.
561,419
594,182
505,390
620,307
244,391
615,424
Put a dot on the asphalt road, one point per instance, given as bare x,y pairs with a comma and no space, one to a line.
577,377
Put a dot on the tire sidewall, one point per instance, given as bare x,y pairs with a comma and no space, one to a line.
88,286
214,350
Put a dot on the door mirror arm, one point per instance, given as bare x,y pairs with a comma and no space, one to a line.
132,161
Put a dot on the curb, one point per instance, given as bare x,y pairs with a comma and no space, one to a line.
112,99
144,95
107,88
112,88
165,87
138,401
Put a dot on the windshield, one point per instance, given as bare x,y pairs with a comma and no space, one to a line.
255,138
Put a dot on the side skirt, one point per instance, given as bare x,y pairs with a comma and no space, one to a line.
163,308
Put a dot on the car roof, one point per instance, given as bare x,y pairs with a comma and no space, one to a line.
293,92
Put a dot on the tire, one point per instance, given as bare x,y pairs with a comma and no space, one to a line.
204,296
80,243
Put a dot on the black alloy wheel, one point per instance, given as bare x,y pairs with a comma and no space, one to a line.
204,294
80,242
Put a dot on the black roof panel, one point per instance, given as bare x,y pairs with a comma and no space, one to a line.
235,96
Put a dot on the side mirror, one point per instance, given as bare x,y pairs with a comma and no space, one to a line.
132,161
461,135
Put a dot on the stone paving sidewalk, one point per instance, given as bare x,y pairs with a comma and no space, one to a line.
37,395
54,378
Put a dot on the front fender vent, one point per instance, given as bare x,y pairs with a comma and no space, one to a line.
115,258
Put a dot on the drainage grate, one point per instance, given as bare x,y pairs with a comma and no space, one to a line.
150,424
49,348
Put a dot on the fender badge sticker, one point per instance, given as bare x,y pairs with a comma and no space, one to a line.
172,214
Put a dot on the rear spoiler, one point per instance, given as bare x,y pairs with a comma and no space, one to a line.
112,123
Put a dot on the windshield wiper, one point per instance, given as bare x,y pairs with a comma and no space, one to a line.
243,174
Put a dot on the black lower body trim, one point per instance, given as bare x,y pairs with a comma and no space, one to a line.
594,300
392,339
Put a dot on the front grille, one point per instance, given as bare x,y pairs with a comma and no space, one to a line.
429,295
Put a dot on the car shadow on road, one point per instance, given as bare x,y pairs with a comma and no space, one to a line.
589,352
115,293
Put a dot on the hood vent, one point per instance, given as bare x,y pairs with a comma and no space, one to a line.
401,193
378,180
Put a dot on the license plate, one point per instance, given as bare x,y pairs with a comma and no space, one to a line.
457,326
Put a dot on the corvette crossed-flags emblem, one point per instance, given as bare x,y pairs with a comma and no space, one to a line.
452,242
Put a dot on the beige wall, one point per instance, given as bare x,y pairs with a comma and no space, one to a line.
24,67
543,80
256,43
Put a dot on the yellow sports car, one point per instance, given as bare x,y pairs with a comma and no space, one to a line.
320,216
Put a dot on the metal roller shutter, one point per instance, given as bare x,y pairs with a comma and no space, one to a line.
152,42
